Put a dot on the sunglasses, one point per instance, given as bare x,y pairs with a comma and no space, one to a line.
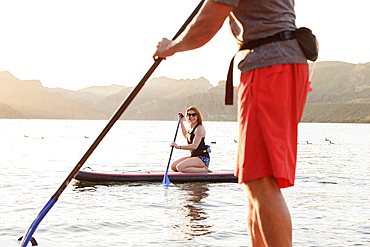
191,114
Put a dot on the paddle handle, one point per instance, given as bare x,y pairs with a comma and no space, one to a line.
110,124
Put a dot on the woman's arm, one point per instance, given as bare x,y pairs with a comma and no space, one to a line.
199,133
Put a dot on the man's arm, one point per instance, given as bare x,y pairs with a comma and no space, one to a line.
201,30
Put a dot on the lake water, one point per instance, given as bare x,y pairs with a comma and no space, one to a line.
329,204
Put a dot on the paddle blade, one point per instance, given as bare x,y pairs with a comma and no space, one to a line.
166,181
28,236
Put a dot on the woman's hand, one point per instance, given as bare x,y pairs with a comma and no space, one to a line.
181,115
173,144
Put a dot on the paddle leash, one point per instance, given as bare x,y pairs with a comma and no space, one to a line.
166,180
110,124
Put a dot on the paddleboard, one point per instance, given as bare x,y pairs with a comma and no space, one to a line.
155,176
13,242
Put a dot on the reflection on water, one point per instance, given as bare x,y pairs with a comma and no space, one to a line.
194,213
83,186
329,204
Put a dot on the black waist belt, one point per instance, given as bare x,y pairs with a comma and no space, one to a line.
229,93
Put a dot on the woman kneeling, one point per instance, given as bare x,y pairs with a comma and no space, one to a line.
199,159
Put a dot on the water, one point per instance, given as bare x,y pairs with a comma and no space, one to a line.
329,204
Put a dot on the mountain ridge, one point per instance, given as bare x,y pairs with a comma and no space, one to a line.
342,89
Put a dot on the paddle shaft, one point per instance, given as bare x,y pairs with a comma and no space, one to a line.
120,110
174,139
110,124
166,180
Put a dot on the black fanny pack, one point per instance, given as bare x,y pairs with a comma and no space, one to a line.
308,43
306,40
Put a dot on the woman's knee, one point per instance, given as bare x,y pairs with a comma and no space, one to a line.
177,162
173,167
180,167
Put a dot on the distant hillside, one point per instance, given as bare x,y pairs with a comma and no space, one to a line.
86,97
212,104
157,100
28,99
89,95
338,82
9,112
103,91
341,93
337,113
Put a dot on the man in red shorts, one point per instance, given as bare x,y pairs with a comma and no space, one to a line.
271,98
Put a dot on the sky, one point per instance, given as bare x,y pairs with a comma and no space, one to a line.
74,44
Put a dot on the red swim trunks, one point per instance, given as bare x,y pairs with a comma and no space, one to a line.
270,105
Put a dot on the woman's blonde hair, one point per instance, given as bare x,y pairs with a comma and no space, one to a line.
200,119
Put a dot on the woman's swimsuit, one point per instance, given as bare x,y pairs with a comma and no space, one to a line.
205,160
201,151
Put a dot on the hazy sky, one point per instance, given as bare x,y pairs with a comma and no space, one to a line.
74,44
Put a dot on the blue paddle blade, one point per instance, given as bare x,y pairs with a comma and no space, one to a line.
166,181
36,222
